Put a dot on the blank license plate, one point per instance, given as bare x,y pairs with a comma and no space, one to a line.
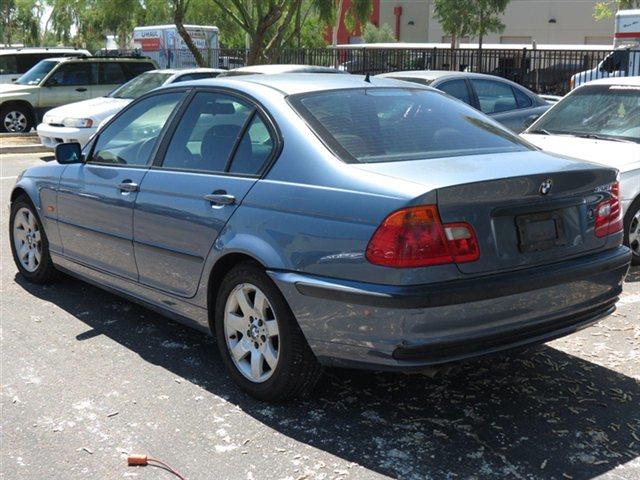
540,231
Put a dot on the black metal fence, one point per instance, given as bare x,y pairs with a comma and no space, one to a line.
543,71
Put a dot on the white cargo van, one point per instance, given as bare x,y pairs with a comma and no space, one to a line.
164,44
624,60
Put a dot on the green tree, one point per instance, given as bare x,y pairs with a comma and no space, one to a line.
456,17
487,18
606,9
382,34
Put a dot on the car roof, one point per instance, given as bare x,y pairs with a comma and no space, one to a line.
183,71
436,74
100,59
26,50
275,69
295,83
631,81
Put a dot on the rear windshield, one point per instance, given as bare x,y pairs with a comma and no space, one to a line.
140,85
391,125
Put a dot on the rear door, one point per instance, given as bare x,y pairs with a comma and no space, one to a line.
96,198
110,76
207,165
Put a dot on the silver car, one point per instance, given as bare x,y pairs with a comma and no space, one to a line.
311,220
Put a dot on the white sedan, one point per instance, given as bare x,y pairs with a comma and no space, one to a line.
600,122
77,122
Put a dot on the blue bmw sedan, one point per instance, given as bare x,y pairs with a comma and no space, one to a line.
311,220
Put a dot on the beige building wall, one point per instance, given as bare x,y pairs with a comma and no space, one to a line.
545,21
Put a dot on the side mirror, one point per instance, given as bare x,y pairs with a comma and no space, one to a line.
530,120
67,153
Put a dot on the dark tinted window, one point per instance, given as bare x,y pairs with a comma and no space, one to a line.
195,76
110,73
208,131
522,99
494,97
130,138
70,74
457,89
133,69
8,64
28,60
393,124
254,149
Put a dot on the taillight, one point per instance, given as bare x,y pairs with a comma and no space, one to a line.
609,214
415,237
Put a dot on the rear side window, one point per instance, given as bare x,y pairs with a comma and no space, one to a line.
8,64
494,97
133,69
215,128
110,73
457,89
26,61
523,100
390,125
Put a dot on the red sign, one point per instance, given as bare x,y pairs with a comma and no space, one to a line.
149,44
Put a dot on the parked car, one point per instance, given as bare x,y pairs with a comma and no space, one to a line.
313,220
57,81
14,62
275,69
505,101
77,122
600,122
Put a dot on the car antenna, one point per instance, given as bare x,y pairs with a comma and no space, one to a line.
367,77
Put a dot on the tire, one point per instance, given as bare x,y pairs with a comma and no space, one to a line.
15,119
632,230
29,244
285,367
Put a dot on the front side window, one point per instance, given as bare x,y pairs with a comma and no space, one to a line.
71,74
37,73
494,97
130,138
212,129
593,111
457,89
399,124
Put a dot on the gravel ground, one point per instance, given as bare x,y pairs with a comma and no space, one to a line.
87,378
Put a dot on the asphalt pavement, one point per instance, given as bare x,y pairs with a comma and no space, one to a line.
88,378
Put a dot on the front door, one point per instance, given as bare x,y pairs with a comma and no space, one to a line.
70,82
96,198
215,155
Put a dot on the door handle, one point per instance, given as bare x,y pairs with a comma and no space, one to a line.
128,187
220,198
82,89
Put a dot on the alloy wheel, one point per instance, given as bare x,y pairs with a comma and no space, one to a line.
251,332
27,239
634,234
15,121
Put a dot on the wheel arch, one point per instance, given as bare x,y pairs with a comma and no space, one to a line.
219,270
22,103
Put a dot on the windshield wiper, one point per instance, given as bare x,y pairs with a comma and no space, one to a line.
540,131
597,136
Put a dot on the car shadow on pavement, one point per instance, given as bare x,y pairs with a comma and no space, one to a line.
537,413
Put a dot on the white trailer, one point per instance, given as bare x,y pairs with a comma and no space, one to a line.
164,44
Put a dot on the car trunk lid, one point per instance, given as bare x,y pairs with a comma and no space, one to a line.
527,208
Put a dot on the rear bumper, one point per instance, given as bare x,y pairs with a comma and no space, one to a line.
406,327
